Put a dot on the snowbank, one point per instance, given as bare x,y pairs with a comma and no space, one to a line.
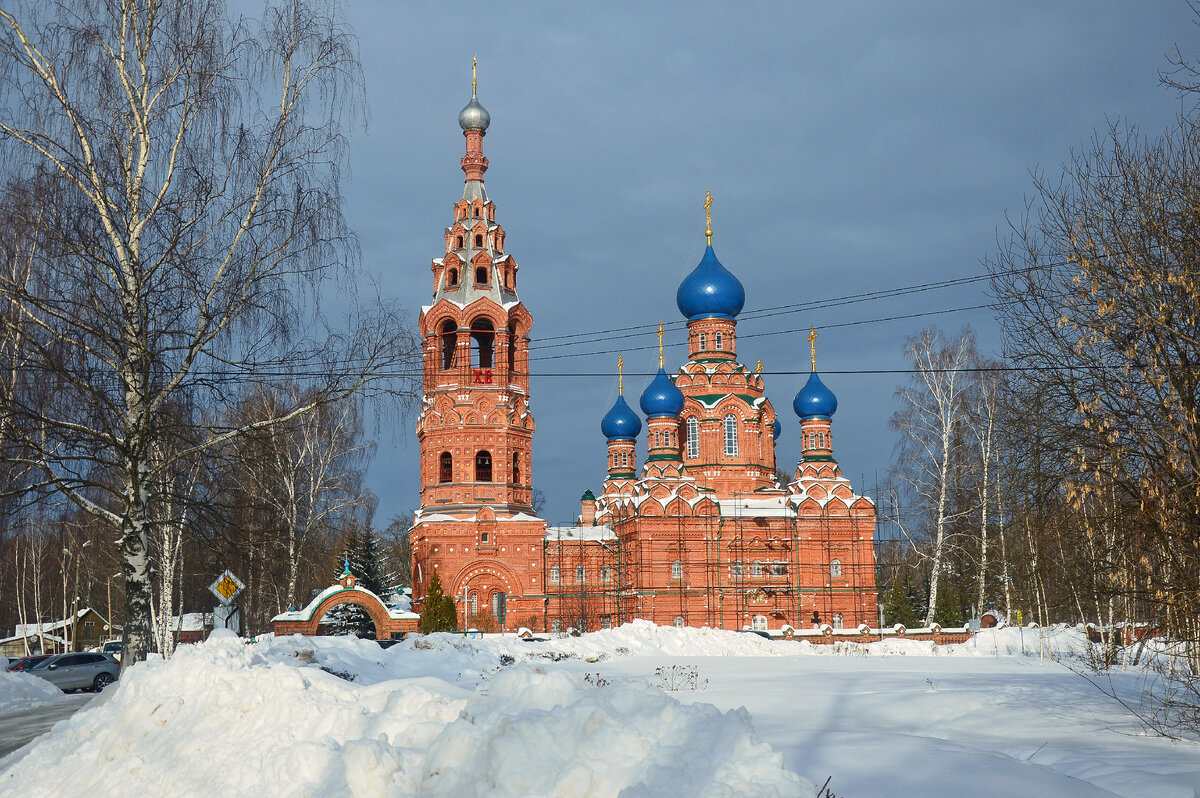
334,716
20,690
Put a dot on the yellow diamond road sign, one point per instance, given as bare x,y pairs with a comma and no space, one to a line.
226,587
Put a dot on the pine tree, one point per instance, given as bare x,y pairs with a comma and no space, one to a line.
438,613
902,603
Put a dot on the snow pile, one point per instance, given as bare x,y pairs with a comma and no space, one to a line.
20,690
637,638
300,717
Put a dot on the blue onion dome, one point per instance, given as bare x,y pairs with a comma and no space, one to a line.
661,397
621,422
710,290
474,116
814,400
776,430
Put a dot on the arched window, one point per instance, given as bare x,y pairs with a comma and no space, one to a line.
458,242
555,625
452,277
512,347
837,621
579,574
446,467
498,605
481,275
731,435
483,466
449,343
703,341
478,240
473,600
835,569
516,469
678,621
555,576
483,336
719,341
759,623
677,570
605,573
693,437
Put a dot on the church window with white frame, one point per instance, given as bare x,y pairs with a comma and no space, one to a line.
731,435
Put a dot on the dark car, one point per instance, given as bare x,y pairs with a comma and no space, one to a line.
78,671
25,663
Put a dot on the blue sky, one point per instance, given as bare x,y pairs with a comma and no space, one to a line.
849,148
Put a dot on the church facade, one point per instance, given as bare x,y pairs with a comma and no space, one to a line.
701,533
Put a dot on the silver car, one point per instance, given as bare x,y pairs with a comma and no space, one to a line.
78,671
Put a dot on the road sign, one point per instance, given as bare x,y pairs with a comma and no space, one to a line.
227,587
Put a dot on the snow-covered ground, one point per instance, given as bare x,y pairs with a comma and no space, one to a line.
20,690
739,715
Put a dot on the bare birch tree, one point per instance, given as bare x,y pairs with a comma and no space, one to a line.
188,165
306,474
983,411
930,424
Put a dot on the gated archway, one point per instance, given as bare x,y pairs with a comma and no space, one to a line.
389,623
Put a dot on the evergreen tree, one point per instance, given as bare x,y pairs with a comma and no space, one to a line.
902,602
361,556
438,613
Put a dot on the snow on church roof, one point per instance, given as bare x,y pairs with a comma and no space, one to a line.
590,533
774,507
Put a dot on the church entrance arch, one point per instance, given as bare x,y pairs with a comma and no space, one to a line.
486,587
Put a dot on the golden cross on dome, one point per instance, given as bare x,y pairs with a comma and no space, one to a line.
812,345
708,215
474,63
758,366
620,375
660,355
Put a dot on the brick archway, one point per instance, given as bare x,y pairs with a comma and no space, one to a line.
389,623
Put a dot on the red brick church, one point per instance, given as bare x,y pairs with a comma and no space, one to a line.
702,534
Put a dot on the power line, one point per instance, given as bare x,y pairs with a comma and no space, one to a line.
777,310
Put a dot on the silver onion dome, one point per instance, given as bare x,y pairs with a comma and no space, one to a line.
474,116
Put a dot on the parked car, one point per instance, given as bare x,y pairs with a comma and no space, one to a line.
25,663
78,671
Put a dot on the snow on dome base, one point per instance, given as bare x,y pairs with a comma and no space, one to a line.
710,290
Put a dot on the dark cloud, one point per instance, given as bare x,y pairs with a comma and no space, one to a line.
849,147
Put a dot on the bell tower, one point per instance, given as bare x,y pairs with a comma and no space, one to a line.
475,428
476,526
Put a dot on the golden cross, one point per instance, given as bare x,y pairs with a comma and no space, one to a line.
474,63
660,354
812,344
758,366
708,215
620,375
